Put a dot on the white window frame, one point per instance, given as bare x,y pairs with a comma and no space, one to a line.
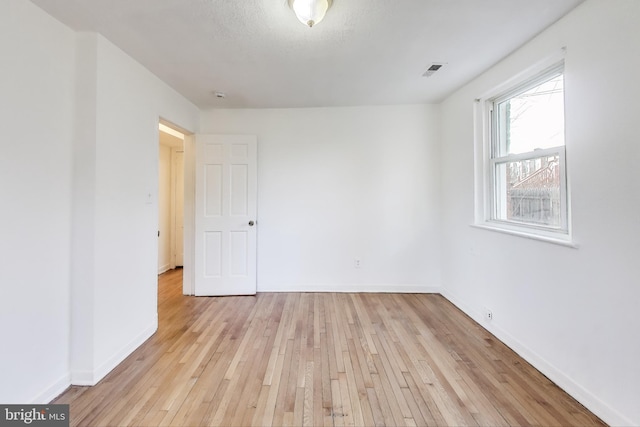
486,161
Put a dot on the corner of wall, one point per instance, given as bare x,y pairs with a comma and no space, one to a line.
93,377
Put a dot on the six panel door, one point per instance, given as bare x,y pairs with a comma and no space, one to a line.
225,217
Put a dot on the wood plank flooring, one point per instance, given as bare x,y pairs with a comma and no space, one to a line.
320,359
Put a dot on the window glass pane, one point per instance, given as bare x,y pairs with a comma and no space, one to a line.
528,191
533,119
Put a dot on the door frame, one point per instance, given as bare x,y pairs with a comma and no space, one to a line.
188,277
189,204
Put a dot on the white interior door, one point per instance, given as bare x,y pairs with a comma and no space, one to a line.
225,217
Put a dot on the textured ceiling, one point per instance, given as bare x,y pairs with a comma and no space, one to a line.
365,52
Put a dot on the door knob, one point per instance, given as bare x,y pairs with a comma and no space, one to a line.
251,223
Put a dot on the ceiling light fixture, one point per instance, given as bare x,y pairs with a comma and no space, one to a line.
310,12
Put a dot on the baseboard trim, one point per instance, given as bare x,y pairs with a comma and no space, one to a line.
164,268
53,391
352,288
575,390
82,378
117,358
91,378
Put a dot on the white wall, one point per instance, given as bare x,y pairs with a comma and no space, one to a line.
341,183
36,118
79,181
128,102
164,208
572,312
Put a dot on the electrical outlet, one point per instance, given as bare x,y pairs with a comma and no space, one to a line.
357,263
488,314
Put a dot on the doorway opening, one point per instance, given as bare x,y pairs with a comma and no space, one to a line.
170,198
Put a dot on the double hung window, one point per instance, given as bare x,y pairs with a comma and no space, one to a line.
526,170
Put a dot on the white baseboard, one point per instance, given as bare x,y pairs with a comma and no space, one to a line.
356,288
582,395
117,358
90,378
53,391
83,378
164,268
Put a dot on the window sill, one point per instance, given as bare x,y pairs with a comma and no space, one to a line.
526,234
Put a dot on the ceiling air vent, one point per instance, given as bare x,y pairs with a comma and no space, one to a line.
432,69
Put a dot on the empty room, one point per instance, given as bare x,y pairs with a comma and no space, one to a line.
415,212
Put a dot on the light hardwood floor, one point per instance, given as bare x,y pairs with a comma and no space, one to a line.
331,359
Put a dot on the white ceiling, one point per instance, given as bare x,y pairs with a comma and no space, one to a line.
365,52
